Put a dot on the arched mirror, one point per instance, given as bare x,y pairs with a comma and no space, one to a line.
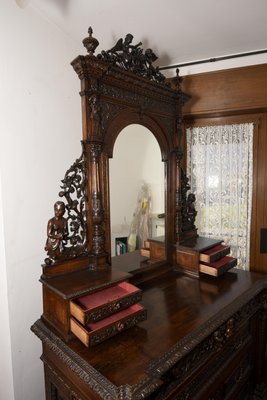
137,195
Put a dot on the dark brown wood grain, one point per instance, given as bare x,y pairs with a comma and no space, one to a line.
232,90
184,314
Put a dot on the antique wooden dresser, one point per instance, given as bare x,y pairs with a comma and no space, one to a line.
134,327
203,339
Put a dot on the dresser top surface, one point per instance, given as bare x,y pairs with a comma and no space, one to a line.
182,311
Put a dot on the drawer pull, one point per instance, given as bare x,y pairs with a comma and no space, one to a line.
224,333
230,328
218,340
120,326
116,306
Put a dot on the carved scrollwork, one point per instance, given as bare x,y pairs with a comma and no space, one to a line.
224,333
67,237
96,117
88,375
115,328
109,110
133,58
109,309
136,97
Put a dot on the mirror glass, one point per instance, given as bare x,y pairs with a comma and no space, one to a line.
136,189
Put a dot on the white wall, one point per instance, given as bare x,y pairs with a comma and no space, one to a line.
6,375
40,134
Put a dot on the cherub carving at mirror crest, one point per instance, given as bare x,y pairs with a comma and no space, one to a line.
66,237
133,58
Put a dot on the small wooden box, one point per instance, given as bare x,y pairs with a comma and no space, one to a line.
103,303
96,332
102,314
203,255
219,267
214,254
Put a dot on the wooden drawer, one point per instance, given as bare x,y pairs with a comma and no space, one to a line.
103,303
96,332
214,254
145,252
219,267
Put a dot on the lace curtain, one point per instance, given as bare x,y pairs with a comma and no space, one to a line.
219,167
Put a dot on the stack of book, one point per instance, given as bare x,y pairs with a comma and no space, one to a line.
216,261
121,245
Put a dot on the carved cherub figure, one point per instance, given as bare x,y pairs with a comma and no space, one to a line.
56,233
150,56
128,40
124,45
96,115
191,211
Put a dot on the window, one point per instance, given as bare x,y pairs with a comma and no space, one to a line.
219,166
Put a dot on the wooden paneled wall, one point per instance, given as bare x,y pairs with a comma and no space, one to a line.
237,95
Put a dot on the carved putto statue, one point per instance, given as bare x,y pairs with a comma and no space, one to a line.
57,232
66,237
191,211
133,58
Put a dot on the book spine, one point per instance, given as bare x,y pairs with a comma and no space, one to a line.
216,256
226,267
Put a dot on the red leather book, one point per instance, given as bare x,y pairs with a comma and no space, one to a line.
214,253
217,268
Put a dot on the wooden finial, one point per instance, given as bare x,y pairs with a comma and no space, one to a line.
90,43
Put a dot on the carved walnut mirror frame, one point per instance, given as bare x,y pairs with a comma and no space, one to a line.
120,87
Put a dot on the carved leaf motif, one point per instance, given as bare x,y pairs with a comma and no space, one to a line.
74,242
133,58
73,189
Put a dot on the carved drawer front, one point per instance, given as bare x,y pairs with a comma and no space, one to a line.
239,378
95,332
103,303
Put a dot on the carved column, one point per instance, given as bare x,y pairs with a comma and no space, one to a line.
178,196
94,141
97,209
176,84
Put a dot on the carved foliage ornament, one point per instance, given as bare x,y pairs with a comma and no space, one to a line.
128,56
67,237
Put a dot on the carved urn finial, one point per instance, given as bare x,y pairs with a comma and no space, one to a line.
177,80
90,43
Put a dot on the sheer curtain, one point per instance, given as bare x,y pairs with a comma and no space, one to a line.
219,166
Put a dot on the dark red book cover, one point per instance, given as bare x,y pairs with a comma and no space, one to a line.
225,261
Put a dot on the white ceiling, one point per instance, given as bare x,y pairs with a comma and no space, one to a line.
177,30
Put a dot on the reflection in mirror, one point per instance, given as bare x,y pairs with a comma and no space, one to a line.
136,189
